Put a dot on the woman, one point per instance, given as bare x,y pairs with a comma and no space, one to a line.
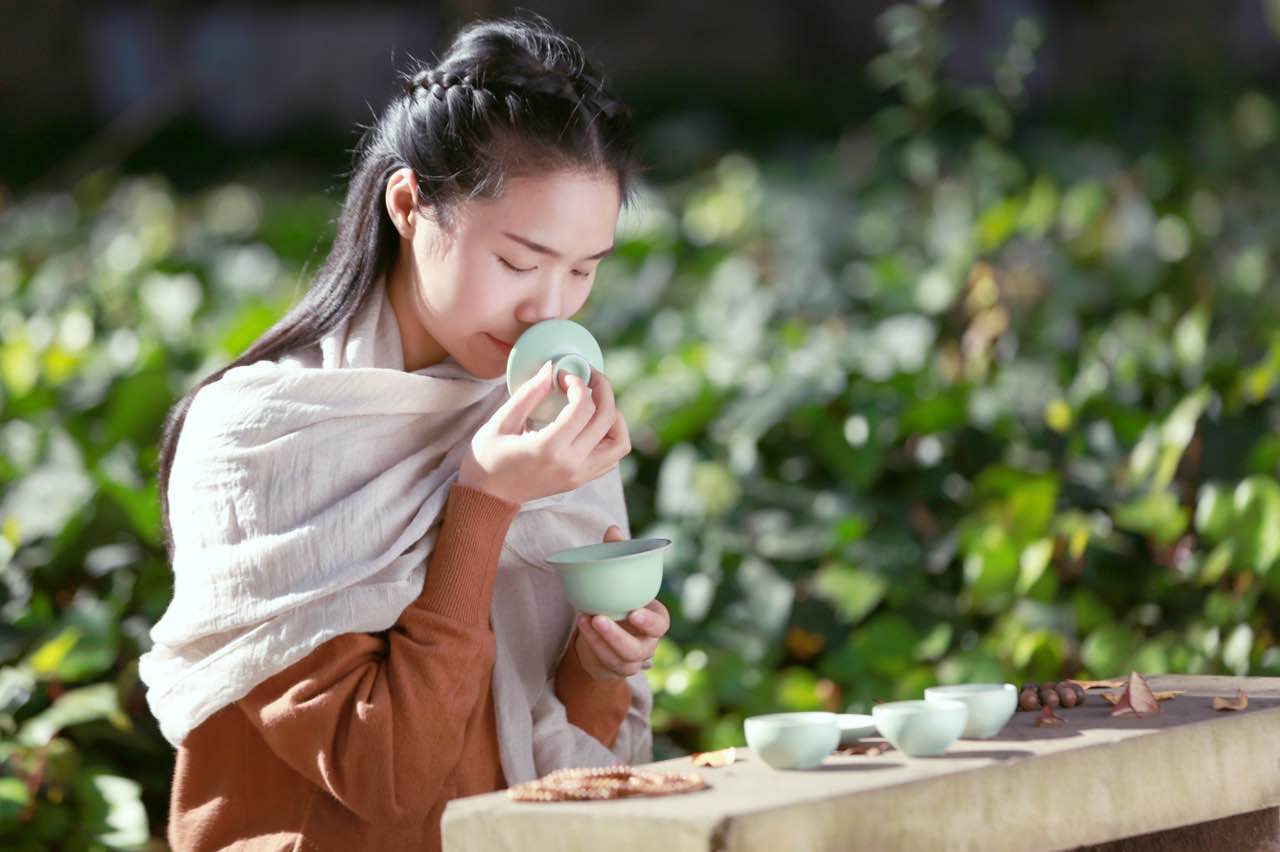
321,692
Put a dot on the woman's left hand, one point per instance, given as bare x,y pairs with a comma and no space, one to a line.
610,650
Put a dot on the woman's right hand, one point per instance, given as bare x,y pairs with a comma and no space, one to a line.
585,441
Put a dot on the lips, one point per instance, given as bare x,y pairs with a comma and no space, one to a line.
501,344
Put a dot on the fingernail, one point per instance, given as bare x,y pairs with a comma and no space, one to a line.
603,623
639,619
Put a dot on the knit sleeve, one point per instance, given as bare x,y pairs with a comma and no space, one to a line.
597,707
358,713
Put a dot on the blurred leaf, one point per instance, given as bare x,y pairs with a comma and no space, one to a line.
141,505
115,815
1256,504
797,689
852,591
14,799
886,644
73,707
137,407
86,645
1108,650
1040,654
1214,515
1033,563
253,318
935,643
973,666
1157,515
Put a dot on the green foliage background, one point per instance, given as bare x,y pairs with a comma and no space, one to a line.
942,401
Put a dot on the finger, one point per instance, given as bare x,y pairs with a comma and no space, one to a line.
605,653
615,447
614,533
628,648
516,410
602,420
572,417
652,620
588,657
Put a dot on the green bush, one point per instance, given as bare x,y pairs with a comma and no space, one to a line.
954,398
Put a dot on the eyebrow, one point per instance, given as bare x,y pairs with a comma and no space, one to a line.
550,252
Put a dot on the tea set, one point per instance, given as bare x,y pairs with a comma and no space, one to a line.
918,728
615,577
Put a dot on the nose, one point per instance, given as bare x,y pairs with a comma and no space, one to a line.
545,302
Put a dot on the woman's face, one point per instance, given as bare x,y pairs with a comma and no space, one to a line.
470,288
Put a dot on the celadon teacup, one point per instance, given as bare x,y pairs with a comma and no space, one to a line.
792,740
614,577
990,705
921,728
570,348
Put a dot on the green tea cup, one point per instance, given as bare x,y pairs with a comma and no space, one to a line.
921,728
792,740
570,348
990,705
614,577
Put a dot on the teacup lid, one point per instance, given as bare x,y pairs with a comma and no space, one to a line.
547,341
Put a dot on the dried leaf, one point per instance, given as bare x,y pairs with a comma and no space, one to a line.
1114,683
1113,697
865,748
716,759
1240,702
1137,698
1048,719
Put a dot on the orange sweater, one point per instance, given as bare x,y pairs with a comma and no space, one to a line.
362,743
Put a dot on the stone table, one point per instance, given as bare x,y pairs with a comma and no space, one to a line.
1188,778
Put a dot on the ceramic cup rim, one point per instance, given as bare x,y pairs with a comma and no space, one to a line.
919,707
967,690
623,549
795,719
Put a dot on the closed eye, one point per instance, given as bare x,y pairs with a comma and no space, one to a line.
509,265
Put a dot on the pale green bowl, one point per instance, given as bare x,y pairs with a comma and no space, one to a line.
792,740
990,705
614,577
921,728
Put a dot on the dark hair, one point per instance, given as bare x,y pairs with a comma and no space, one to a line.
508,98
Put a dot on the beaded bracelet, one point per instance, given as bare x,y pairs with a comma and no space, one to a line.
606,782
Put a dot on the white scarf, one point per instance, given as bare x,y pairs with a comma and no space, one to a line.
304,500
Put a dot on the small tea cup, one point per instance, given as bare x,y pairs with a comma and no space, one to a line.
921,728
792,740
990,705
569,347
612,578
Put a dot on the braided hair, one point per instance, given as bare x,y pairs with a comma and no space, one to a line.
508,98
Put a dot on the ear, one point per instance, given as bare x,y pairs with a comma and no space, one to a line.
402,201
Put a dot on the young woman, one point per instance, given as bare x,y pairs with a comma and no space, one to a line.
362,626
